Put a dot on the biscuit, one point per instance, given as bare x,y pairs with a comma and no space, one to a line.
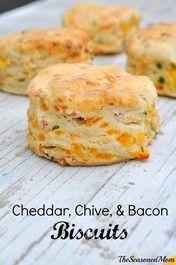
107,25
152,52
24,54
82,114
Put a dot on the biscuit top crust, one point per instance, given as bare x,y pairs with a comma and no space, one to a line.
157,41
96,16
50,40
87,88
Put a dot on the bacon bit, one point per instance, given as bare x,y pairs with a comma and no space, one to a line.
60,108
59,99
104,125
68,44
118,114
91,121
62,162
86,49
87,122
54,43
48,147
73,52
72,114
91,83
44,123
38,94
79,120
56,108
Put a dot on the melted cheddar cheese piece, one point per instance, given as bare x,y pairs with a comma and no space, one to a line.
172,76
58,132
104,125
125,139
41,137
104,156
3,63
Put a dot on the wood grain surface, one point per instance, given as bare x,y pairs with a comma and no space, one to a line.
32,181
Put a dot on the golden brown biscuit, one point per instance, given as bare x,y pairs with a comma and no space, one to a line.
107,25
23,55
152,52
84,114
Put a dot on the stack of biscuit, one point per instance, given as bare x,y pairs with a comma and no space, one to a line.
84,114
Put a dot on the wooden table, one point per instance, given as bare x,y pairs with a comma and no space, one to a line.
29,180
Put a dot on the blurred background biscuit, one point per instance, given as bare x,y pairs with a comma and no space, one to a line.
152,52
107,25
24,54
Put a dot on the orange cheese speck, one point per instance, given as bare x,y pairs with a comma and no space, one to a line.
91,121
125,27
104,125
104,156
112,131
93,150
43,106
34,124
3,63
76,149
111,78
58,132
143,156
60,108
140,138
125,139
41,137
73,135
172,76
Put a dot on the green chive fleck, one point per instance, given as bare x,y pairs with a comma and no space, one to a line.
153,128
142,149
161,80
21,79
173,66
55,127
159,65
